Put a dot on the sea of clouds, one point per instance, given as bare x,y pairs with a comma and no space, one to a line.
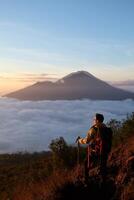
30,126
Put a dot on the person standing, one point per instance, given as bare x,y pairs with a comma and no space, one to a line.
99,139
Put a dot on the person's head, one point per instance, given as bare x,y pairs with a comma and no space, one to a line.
99,118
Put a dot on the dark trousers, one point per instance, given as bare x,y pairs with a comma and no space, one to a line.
103,165
95,160
92,160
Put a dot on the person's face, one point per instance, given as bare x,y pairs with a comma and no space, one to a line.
94,120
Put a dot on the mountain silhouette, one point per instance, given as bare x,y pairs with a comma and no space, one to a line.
77,85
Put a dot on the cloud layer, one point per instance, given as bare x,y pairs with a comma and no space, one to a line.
30,126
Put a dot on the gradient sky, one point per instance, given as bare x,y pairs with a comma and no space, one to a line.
47,39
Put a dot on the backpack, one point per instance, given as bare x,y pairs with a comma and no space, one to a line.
103,140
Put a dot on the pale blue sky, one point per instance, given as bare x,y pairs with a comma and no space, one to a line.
61,36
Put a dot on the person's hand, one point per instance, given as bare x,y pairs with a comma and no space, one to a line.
77,140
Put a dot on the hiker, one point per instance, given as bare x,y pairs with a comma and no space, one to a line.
99,138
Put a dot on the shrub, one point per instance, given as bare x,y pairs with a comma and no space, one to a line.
122,129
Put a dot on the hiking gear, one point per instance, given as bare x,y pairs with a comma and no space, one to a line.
108,136
78,167
99,149
78,150
99,140
77,140
78,154
88,153
103,139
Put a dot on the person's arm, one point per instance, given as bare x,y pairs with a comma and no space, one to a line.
88,138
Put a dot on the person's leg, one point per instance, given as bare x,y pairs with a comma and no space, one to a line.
103,165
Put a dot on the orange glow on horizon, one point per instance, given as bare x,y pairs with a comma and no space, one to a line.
10,86
13,82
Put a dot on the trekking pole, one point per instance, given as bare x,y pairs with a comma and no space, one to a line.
78,160
78,151
88,153
78,154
